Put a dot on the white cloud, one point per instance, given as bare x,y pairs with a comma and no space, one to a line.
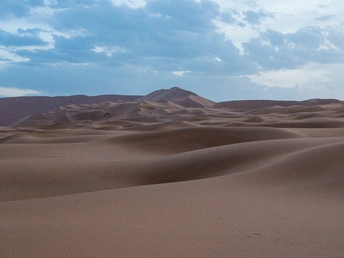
14,24
10,56
37,19
109,51
226,5
42,11
50,2
236,34
130,3
180,73
15,92
327,45
288,17
315,77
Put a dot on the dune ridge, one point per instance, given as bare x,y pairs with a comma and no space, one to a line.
172,174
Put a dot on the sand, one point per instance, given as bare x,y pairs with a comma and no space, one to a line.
206,181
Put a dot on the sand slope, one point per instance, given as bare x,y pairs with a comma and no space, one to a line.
194,182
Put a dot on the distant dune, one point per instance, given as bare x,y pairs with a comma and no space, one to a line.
255,104
167,106
13,109
171,174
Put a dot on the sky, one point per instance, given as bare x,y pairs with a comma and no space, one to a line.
219,49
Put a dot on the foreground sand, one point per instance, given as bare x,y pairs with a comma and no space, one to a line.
171,181
217,192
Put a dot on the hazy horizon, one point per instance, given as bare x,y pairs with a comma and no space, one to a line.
142,95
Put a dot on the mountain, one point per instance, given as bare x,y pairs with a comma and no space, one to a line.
178,96
172,94
13,109
46,111
167,107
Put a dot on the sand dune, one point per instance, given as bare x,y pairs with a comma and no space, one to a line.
13,109
173,175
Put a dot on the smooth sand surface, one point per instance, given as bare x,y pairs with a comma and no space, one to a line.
194,182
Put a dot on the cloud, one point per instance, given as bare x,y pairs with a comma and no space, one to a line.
324,17
195,16
9,39
18,9
228,17
9,57
255,18
180,73
159,35
309,37
10,8
309,81
274,50
109,51
15,92
132,4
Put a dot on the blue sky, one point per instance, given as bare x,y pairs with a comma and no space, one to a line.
220,49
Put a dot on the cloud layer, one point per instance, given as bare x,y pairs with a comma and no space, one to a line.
121,46
14,92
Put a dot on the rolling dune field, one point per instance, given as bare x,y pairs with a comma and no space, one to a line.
172,174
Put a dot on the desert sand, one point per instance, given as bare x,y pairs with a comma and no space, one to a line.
172,174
